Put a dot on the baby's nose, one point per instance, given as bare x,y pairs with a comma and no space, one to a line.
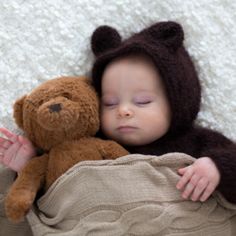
125,111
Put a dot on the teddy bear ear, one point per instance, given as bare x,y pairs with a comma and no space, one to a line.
169,33
103,39
18,111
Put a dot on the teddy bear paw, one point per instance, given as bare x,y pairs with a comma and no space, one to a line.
18,204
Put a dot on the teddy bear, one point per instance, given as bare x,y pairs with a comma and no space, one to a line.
60,116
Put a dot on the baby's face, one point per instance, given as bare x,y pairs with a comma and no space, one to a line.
134,106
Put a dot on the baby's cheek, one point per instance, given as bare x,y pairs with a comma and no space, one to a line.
106,122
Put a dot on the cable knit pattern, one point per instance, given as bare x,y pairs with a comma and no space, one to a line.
146,203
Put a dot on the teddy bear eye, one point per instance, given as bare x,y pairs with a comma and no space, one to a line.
67,95
40,102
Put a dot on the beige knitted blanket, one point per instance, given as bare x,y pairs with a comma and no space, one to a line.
132,195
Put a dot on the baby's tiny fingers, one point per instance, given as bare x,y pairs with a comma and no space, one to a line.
185,178
9,134
190,186
182,170
208,191
3,140
200,187
10,153
6,132
188,190
24,141
6,144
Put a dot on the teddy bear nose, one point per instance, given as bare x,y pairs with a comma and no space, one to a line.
55,107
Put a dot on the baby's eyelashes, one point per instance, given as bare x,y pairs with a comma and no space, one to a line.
112,102
142,101
109,102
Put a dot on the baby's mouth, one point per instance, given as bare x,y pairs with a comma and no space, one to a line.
126,129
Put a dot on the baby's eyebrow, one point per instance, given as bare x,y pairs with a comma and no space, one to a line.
107,93
108,96
146,92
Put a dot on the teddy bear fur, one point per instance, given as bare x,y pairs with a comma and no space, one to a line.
60,116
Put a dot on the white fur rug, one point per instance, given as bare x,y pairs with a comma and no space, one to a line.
43,39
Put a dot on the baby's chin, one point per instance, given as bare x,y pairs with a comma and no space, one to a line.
132,139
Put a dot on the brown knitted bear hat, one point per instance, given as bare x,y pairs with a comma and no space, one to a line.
163,43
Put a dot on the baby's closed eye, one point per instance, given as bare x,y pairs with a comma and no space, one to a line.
142,100
109,102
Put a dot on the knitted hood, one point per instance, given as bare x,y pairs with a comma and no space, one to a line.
163,43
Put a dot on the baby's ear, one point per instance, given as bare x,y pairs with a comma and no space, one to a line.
18,111
169,33
104,38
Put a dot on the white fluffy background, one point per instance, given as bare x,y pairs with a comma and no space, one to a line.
43,39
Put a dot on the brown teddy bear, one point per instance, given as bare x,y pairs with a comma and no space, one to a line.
60,116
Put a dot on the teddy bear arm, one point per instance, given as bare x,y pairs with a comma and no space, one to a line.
23,191
110,149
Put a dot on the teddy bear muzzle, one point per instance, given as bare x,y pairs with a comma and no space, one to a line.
59,113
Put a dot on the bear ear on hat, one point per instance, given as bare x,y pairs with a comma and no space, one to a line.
168,33
104,38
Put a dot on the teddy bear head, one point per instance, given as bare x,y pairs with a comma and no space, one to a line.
61,109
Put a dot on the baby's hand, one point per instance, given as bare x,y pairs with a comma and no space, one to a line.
199,180
15,151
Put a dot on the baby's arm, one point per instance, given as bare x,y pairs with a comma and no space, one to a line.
15,150
199,180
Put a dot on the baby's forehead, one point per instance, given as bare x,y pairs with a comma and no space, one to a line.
135,91
133,58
